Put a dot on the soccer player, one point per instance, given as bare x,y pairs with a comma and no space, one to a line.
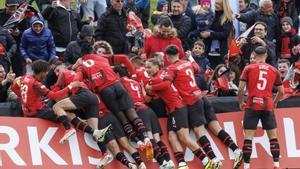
103,81
260,78
201,112
31,91
149,118
177,113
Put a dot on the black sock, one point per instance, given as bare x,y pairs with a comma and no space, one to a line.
275,149
137,158
247,150
130,132
205,144
140,128
102,147
164,150
122,158
157,153
64,120
227,140
179,157
80,125
199,153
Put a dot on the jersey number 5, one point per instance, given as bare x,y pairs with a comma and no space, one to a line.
262,81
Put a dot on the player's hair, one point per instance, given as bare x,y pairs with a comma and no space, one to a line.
121,71
172,51
155,62
103,44
137,60
86,48
200,43
260,50
40,66
284,61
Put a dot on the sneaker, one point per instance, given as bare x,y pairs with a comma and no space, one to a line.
67,135
216,164
238,160
108,158
100,134
208,165
149,149
170,165
132,166
142,166
183,165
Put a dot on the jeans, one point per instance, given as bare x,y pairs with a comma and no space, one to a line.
93,6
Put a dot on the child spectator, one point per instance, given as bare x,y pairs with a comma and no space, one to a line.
199,55
161,9
287,40
203,17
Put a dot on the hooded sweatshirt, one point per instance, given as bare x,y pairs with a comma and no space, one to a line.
37,45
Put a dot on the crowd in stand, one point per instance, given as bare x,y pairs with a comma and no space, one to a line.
58,48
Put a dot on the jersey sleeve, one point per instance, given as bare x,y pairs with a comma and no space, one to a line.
161,86
60,83
124,59
44,91
16,89
244,76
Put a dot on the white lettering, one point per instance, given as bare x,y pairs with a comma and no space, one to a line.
263,141
229,128
9,147
92,144
75,151
36,146
290,138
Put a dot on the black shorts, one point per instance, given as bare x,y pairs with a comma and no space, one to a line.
209,111
46,113
158,106
196,114
150,120
87,101
117,129
178,120
251,118
116,98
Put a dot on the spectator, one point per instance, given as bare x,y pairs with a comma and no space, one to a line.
17,62
265,14
73,51
91,7
111,27
286,8
63,22
187,10
162,8
5,83
142,9
163,35
198,54
37,42
43,4
10,47
287,40
181,22
248,45
221,30
244,8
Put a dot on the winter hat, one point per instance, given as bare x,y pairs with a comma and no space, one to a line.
12,3
165,20
288,20
87,30
204,1
160,4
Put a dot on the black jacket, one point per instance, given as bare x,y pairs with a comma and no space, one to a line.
183,25
64,24
112,28
8,42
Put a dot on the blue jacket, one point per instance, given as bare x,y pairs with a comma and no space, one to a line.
37,46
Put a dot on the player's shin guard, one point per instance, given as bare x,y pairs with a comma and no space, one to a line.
275,150
227,140
179,157
157,153
164,150
205,144
122,158
247,150
80,125
130,132
140,127
137,158
64,120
